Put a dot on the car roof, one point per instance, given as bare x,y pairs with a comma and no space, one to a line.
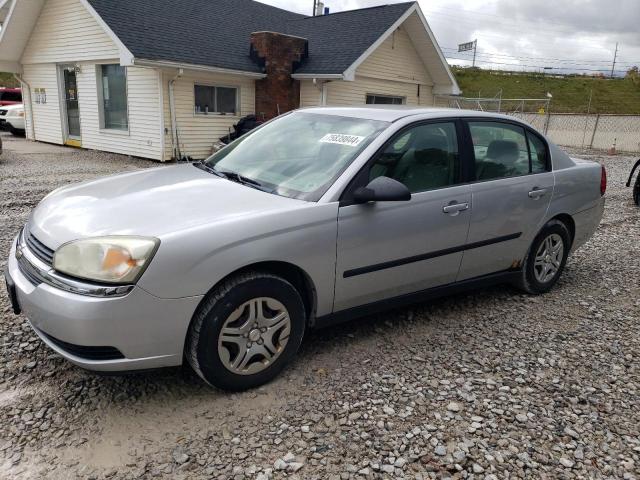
392,113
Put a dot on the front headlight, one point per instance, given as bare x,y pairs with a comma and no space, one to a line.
106,259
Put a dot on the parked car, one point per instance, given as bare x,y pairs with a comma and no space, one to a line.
636,186
319,216
10,96
12,119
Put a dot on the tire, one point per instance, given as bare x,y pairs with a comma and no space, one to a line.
636,191
533,279
17,132
246,306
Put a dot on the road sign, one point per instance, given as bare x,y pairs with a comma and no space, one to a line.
465,47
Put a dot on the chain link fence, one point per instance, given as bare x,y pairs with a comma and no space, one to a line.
587,131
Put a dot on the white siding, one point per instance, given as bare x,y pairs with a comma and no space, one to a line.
66,31
144,138
198,133
343,93
396,59
394,68
47,118
310,94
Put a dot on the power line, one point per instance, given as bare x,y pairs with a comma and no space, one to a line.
544,59
542,67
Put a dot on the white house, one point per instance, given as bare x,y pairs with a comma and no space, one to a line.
170,80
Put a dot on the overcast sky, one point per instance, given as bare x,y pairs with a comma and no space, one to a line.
575,35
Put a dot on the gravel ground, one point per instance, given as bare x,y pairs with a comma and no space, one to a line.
488,385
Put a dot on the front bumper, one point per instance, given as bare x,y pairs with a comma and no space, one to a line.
148,331
14,122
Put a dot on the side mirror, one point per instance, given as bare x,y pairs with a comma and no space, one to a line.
382,189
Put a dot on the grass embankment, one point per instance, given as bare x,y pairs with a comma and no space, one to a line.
570,94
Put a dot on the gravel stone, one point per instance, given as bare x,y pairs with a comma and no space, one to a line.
545,387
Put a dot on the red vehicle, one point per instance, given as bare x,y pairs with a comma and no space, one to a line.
10,96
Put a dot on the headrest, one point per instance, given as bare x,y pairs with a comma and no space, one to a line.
433,156
503,148
425,142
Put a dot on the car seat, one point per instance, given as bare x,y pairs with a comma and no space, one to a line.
427,164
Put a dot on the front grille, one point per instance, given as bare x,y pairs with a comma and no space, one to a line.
29,271
39,249
87,353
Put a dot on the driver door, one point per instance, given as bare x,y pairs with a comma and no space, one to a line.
389,249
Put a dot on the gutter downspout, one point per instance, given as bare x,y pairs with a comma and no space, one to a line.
175,138
32,125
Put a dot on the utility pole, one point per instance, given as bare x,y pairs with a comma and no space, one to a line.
615,57
315,7
475,50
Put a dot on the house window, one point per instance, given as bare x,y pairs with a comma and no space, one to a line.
113,92
216,100
373,99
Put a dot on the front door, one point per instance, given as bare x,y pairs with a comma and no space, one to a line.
511,194
71,106
395,248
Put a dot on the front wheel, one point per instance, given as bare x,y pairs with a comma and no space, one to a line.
546,259
246,331
16,132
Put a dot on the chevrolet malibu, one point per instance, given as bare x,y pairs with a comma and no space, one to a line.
319,216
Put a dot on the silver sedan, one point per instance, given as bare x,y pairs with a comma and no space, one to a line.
319,216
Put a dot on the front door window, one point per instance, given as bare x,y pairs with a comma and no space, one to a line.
71,102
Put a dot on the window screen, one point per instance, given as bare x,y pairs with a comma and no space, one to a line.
373,99
216,100
113,79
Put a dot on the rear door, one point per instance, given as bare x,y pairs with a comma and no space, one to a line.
511,192
388,249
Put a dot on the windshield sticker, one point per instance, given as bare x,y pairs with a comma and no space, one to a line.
342,139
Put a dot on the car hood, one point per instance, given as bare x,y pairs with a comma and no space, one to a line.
154,202
10,108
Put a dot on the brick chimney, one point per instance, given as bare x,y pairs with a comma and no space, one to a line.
279,55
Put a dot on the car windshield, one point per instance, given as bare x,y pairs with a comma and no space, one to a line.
299,155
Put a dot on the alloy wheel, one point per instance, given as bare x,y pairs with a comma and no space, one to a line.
549,258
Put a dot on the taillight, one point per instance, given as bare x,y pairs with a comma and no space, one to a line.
603,181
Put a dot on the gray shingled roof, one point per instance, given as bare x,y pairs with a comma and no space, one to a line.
216,32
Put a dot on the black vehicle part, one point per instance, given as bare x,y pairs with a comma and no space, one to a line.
244,125
636,187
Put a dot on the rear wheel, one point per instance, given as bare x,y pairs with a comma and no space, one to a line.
546,259
246,331
636,191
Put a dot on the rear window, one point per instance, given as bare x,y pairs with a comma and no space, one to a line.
10,96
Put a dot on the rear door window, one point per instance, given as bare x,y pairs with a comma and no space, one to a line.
504,150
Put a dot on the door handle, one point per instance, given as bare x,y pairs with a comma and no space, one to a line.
537,193
455,209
